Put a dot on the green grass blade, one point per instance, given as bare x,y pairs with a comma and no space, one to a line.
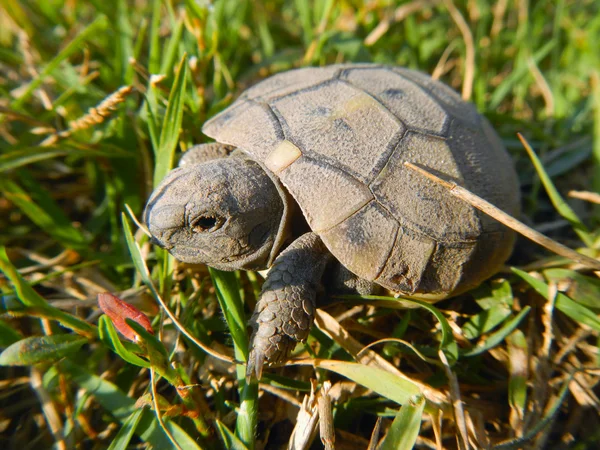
403,433
496,338
123,437
25,293
517,384
169,135
485,321
171,52
74,46
564,304
39,206
447,338
582,289
154,57
152,127
516,75
559,203
29,297
304,11
24,156
228,294
384,383
135,252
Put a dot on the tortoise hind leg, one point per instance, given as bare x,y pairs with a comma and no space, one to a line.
340,281
285,312
202,153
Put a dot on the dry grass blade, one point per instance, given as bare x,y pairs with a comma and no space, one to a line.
50,410
93,117
492,211
306,422
399,15
326,428
332,328
375,435
592,197
463,26
459,411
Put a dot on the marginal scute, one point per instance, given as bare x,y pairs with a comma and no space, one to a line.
406,99
448,97
417,201
249,125
480,169
332,196
288,82
363,241
408,260
341,125
445,268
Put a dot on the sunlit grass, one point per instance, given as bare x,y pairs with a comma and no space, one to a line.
521,351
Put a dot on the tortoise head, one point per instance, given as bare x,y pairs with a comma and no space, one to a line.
226,213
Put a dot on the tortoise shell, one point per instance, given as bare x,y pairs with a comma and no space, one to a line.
337,138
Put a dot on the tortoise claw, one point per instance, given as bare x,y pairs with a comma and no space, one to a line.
254,367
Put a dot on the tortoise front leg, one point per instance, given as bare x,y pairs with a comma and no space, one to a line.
285,311
201,153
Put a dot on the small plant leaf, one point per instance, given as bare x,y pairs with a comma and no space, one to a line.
37,349
118,311
228,294
108,335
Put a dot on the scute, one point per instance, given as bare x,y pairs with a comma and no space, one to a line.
407,262
418,203
403,97
288,82
332,196
248,125
447,97
364,240
335,122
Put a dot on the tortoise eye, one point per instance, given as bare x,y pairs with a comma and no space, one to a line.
206,223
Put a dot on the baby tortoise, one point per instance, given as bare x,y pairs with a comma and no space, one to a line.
325,147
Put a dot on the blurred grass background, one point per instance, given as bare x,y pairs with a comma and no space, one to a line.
95,100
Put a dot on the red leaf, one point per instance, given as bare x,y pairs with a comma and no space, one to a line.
118,311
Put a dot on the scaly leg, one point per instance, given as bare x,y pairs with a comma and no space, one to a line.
285,312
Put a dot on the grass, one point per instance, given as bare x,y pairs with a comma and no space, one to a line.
76,148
